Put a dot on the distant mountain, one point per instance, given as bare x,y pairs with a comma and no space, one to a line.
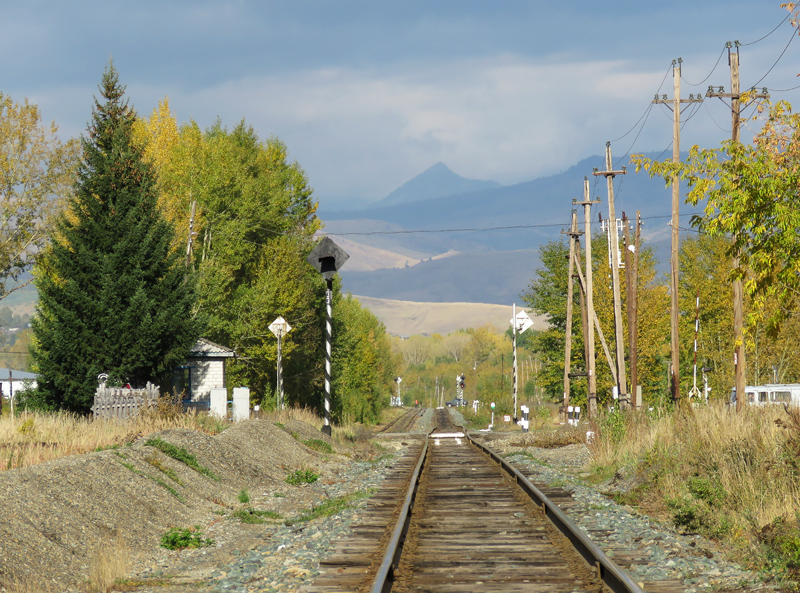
500,229
436,182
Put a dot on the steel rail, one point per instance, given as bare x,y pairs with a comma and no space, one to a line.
616,579
385,575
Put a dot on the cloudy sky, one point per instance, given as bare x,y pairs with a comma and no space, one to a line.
367,94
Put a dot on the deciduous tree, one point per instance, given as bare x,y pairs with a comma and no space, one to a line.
36,173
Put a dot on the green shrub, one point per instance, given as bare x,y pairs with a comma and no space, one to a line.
178,539
319,445
332,506
302,476
254,517
706,490
244,497
686,514
182,455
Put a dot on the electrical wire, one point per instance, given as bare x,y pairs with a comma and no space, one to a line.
628,152
646,112
794,88
794,34
709,74
475,229
728,131
770,33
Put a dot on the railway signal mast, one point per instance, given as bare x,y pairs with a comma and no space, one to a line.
519,323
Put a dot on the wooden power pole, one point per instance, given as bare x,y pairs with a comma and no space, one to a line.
675,386
609,174
738,300
589,330
573,239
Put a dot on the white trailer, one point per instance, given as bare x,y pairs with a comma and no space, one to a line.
771,394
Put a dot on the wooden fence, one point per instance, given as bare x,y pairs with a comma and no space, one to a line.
123,402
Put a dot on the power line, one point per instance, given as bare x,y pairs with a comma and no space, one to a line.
646,111
475,229
776,61
709,74
783,20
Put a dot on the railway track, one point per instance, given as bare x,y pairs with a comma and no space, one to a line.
405,422
455,519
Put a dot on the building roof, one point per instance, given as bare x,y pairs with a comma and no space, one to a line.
16,375
207,349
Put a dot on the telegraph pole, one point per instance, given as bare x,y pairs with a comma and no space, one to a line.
738,300
587,237
675,387
573,238
632,302
614,240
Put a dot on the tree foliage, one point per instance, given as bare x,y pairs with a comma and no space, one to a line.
752,195
36,172
113,297
255,224
547,295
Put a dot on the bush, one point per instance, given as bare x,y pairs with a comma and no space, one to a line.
302,476
319,445
182,455
254,517
178,539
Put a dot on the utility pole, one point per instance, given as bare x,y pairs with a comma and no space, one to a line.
675,387
637,242
609,174
587,237
632,302
738,300
573,239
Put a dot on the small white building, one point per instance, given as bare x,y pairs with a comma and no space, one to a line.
13,381
204,370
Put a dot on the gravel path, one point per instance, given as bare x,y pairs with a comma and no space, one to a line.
665,554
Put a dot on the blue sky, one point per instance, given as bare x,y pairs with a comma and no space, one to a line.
368,94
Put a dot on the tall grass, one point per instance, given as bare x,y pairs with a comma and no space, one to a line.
733,476
32,438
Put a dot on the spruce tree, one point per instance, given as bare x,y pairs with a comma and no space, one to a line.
113,297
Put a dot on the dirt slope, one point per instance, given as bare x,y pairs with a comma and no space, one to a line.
56,515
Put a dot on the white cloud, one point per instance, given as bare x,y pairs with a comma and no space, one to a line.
364,132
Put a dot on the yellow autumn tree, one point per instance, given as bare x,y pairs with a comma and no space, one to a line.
36,171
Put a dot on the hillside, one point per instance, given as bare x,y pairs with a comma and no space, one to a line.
497,232
407,318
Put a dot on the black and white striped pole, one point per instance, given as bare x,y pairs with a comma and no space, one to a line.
327,257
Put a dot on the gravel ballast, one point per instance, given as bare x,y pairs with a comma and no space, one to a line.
58,513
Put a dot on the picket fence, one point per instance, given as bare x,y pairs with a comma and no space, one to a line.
123,402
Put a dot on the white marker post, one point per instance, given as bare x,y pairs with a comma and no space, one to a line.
519,322
280,328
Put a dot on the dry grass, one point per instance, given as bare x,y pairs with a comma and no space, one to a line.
732,476
33,438
108,563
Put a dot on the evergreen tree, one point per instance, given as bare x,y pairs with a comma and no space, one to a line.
113,297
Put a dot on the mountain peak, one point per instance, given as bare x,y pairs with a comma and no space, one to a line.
437,181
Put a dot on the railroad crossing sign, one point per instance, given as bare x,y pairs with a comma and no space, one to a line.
521,321
280,327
